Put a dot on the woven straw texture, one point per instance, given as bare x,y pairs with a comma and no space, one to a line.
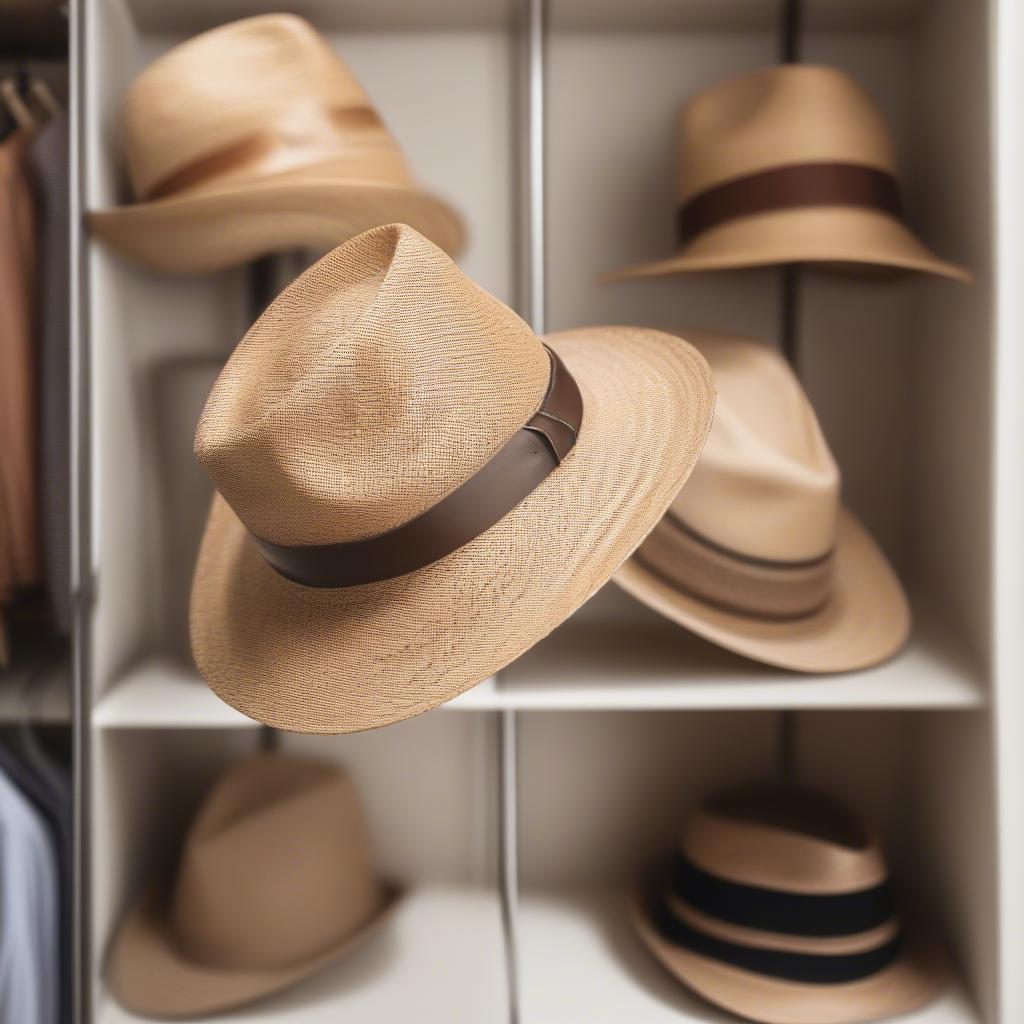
289,151
338,418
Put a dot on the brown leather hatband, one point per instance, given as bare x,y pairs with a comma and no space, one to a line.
508,477
781,188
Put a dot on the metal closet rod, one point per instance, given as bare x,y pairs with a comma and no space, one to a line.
790,37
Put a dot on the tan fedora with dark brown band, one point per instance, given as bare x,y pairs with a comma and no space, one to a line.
414,488
778,906
791,164
255,138
756,553
275,882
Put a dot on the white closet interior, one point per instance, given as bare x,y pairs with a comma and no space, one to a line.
623,720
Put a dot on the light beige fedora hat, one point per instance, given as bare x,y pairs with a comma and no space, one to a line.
414,488
756,553
255,138
792,164
275,881
778,906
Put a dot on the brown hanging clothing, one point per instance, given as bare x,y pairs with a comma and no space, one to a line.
19,513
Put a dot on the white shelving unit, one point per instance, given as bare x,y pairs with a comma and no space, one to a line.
623,720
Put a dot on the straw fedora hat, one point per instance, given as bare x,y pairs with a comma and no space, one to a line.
255,138
777,905
414,488
792,164
757,554
274,882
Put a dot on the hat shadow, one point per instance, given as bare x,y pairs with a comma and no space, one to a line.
610,916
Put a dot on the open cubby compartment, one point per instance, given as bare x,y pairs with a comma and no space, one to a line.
898,369
444,82
428,788
603,796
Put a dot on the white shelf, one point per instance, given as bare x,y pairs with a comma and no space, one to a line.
580,960
163,693
651,664
440,959
640,665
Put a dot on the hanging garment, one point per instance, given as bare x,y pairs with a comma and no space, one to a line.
28,912
46,785
50,163
19,533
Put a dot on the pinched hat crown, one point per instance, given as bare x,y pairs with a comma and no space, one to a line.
276,867
375,385
766,486
255,97
778,117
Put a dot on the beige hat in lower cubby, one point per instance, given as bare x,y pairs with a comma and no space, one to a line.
790,164
757,553
414,488
255,138
275,882
778,906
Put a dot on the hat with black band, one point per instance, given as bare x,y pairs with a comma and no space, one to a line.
778,906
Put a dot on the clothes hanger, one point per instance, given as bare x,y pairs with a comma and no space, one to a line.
10,96
44,96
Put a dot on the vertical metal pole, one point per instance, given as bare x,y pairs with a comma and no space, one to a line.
532,303
508,864
790,34
80,491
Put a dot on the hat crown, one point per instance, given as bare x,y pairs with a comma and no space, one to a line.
766,485
372,387
250,98
276,867
778,117
785,839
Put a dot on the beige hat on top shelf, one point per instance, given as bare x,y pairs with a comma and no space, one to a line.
275,882
791,164
778,906
757,553
413,488
255,138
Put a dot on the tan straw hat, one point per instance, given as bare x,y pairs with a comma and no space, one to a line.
792,164
756,553
274,883
778,906
255,138
414,488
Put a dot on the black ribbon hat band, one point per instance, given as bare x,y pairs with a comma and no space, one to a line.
787,913
779,913
814,968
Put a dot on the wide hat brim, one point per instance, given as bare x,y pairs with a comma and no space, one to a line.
918,974
865,621
341,660
839,236
305,208
150,976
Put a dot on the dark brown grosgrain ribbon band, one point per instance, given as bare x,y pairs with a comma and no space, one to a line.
509,476
781,188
